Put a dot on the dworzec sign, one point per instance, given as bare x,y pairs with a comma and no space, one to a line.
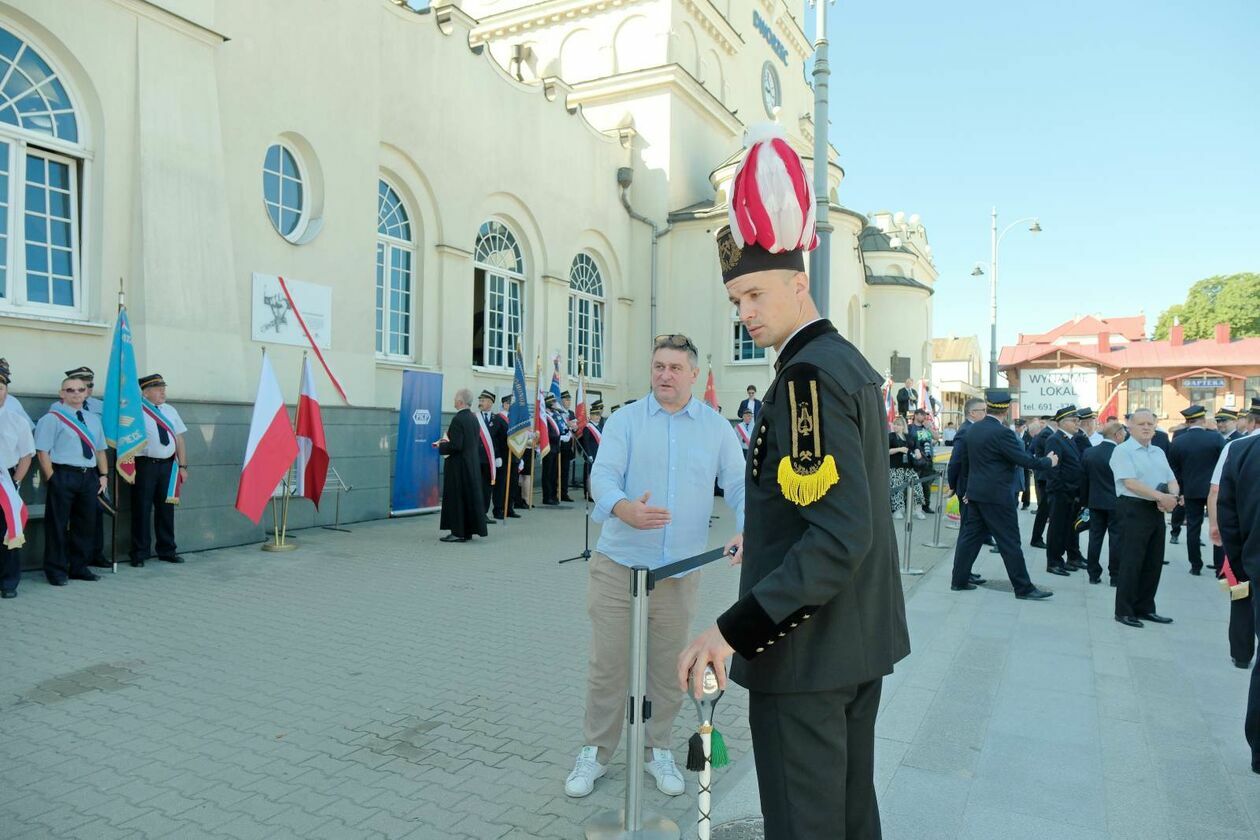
1045,390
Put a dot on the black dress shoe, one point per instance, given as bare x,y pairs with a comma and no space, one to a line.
975,578
1255,766
962,588
551,504
12,593
101,564
492,521
1174,540
137,564
978,581
1128,621
1114,584
453,538
174,558
1023,507
1095,579
1238,663
995,550
1058,570
1037,543
514,515
565,499
1155,617
85,576
56,582
1075,565
1196,572
1035,595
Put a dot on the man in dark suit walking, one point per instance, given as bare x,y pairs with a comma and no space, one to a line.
1238,512
1100,498
1064,484
974,411
1192,458
820,620
1027,430
989,464
751,404
1048,428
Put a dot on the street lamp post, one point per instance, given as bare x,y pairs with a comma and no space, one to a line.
820,258
995,241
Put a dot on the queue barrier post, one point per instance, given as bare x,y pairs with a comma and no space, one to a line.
630,822
940,514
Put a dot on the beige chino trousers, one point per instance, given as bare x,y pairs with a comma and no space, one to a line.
671,609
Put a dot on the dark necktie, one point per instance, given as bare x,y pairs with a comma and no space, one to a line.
163,437
88,451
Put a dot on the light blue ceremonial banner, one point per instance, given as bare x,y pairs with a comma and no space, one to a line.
122,414
417,466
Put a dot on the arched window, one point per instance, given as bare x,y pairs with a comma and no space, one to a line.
39,187
586,316
395,252
744,348
498,295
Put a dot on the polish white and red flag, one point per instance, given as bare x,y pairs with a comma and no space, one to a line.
581,411
271,450
312,459
15,514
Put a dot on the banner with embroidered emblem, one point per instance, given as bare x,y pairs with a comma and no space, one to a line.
807,473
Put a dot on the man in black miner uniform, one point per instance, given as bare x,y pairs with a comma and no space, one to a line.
988,469
1227,424
500,493
513,467
1064,484
1192,458
1048,429
820,619
1026,430
568,451
1100,498
974,411
1238,516
751,404
1084,428
591,436
549,469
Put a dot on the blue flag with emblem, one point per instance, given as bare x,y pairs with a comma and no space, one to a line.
122,415
520,418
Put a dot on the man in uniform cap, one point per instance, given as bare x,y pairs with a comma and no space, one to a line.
17,447
70,445
1064,483
1087,433
511,464
1227,424
1242,626
820,620
93,404
160,470
568,449
592,436
549,470
1192,458
489,455
1100,497
990,473
1048,429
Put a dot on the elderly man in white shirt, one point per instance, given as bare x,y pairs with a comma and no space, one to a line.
160,470
17,448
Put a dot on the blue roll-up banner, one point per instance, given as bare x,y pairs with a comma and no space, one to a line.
417,487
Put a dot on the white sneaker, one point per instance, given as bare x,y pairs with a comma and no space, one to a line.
918,514
898,515
585,771
662,768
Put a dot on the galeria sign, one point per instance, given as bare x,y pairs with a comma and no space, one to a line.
1045,390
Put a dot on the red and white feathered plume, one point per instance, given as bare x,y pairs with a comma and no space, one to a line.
772,201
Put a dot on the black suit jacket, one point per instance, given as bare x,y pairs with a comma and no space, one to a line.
820,604
1039,444
1162,440
1068,478
1100,490
756,408
953,472
1193,458
989,460
1082,442
1238,508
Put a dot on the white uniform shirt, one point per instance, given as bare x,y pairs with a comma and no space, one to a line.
12,405
155,449
16,441
1220,461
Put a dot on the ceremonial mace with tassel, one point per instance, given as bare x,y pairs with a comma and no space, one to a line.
706,749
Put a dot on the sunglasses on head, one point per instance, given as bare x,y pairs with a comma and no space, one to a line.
674,341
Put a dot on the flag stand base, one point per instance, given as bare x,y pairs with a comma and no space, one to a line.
284,546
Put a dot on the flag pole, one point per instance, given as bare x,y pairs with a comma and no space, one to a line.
113,527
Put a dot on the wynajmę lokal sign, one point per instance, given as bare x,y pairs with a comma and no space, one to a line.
1045,390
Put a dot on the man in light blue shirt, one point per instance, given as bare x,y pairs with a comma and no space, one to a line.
653,487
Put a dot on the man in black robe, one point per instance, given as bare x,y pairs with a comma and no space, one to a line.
463,506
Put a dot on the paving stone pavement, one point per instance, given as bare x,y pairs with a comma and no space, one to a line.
382,684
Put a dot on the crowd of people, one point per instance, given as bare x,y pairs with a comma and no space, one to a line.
68,447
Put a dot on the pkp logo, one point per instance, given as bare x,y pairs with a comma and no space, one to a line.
421,416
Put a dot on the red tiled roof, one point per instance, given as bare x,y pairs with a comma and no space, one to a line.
1144,354
1132,327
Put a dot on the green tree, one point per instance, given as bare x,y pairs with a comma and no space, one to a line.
1233,298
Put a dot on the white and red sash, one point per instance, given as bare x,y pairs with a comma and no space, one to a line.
15,514
595,433
155,412
744,436
486,442
80,428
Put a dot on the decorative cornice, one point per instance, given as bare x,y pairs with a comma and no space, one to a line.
555,281
453,251
793,34
713,22
540,16
666,76
181,24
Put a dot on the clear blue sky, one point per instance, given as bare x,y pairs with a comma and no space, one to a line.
1132,130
